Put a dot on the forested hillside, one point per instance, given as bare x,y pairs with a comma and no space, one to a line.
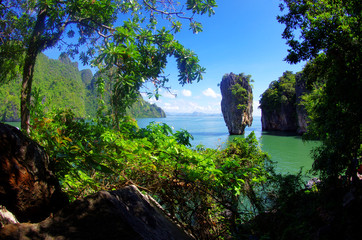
62,85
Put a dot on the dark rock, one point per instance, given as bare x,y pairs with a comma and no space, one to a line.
27,186
236,118
282,119
123,214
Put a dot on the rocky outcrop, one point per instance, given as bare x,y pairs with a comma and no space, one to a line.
237,102
31,192
281,105
6,217
123,214
28,188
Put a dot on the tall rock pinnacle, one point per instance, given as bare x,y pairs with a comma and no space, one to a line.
237,102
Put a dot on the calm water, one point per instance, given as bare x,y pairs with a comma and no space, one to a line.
289,151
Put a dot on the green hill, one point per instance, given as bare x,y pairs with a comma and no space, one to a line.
64,86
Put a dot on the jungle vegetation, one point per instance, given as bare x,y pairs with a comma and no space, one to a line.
126,37
212,193
280,92
63,86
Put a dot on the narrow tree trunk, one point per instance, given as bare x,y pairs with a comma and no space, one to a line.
28,73
35,46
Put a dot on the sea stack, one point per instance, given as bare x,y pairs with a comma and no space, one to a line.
281,106
237,102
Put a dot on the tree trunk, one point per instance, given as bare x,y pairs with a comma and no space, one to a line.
28,73
35,46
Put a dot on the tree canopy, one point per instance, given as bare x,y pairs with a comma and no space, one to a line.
280,92
328,34
126,36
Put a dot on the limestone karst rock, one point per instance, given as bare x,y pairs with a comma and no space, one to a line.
28,188
283,119
123,214
281,104
237,102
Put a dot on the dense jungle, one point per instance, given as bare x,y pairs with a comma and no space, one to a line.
94,142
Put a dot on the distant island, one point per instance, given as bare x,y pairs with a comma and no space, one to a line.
62,85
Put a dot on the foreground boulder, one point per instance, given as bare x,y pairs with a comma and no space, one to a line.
122,214
237,102
6,217
28,188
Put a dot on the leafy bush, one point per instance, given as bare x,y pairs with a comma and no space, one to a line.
209,192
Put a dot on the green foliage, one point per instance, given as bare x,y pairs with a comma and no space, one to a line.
208,191
60,85
329,35
143,109
63,86
9,97
101,87
183,137
138,48
240,93
143,57
13,26
281,92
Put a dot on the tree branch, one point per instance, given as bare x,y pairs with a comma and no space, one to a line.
177,13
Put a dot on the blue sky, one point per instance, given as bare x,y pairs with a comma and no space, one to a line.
242,37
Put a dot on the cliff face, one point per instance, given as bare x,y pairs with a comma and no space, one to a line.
237,102
283,119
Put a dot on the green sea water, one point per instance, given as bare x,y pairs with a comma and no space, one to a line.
289,151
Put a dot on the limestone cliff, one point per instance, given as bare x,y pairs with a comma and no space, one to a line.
237,102
281,119
280,105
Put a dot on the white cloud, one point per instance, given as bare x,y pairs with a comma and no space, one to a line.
170,107
186,93
256,109
211,93
183,106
